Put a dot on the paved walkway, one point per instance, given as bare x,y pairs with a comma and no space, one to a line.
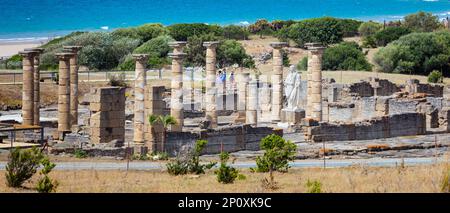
139,165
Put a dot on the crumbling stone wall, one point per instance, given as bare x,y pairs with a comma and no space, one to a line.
107,122
381,127
228,139
444,119
154,105
414,86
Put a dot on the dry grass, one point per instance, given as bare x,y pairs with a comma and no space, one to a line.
354,179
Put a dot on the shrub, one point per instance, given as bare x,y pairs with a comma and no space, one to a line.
158,156
303,64
369,28
235,32
445,183
195,50
190,161
349,27
157,49
416,53
45,184
231,52
345,56
369,42
435,77
386,36
277,25
79,153
181,32
325,30
22,165
278,152
226,174
261,27
314,186
422,22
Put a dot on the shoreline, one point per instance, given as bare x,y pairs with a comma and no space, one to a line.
33,37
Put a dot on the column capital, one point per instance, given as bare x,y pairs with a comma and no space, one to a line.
140,57
27,53
37,50
278,45
177,44
211,44
73,49
315,48
64,55
177,56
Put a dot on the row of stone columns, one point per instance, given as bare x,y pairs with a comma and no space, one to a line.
67,88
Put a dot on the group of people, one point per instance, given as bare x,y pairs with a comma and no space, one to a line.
222,77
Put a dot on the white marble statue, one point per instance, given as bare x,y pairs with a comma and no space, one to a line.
292,88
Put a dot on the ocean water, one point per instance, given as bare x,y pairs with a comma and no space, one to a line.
44,18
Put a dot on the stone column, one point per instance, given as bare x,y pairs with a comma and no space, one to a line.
242,84
211,90
277,80
139,90
73,84
176,100
36,89
252,102
28,87
315,69
64,94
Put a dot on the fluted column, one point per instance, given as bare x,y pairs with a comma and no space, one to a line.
315,68
242,84
139,91
36,85
73,84
176,100
28,87
211,90
251,114
64,94
277,80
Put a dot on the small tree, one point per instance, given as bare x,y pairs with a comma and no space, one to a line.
46,184
226,174
22,165
166,121
190,162
435,77
278,153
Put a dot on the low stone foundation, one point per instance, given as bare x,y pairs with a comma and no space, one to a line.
227,139
382,127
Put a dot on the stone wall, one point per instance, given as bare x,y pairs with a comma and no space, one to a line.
381,127
228,139
414,86
107,122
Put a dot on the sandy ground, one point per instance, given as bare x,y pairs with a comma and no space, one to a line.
11,48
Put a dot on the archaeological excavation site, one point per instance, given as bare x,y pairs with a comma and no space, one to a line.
371,118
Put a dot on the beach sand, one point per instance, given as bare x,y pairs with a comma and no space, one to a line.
11,48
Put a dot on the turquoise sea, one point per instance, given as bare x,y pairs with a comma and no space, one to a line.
44,18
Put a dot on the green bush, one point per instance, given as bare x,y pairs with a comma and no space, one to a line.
45,184
278,153
389,34
117,80
226,174
416,53
303,64
277,25
195,50
369,28
79,153
144,32
181,32
349,27
190,163
369,42
422,22
314,186
345,56
435,77
157,49
235,32
158,156
231,52
261,27
22,165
